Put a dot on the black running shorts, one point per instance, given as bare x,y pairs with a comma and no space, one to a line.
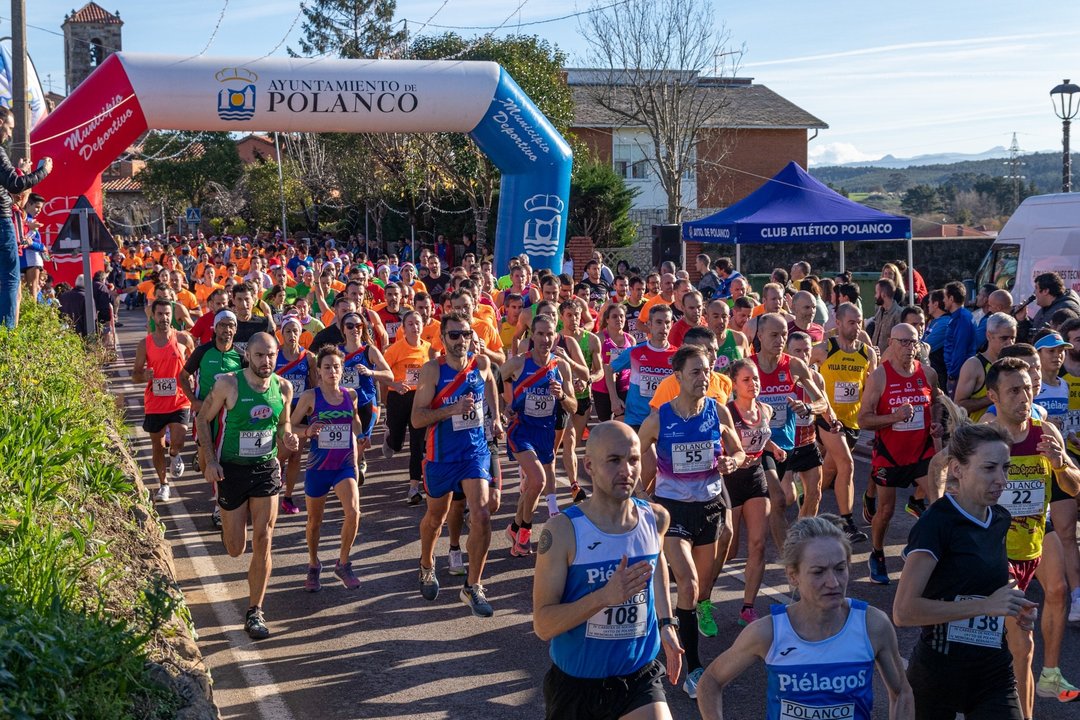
611,698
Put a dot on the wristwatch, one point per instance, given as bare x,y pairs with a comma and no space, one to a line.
672,621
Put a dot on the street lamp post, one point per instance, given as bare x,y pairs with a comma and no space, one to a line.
1066,101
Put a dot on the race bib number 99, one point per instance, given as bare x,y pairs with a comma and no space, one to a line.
620,622
334,437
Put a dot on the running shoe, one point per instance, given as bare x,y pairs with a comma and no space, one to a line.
311,582
522,546
215,517
578,494
456,563
510,533
706,625
475,600
429,584
416,496
853,533
362,467
1074,609
869,508
1052,685
552,506
346,575
255,624
692,680
878,573
288,506
163,494
747,615
387,451
178,467
915,507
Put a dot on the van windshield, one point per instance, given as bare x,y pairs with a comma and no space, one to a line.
999,267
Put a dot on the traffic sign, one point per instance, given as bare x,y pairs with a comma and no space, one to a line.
193,216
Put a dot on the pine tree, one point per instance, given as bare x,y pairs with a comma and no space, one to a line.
350,29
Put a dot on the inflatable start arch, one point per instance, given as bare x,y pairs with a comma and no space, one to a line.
131,93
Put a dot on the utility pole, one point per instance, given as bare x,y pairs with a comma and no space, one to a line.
1014,163
20,144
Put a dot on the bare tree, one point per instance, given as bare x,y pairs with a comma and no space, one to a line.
650,59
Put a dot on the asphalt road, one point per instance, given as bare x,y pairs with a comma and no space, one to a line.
383,651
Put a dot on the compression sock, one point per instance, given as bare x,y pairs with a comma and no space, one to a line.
688,636
553,504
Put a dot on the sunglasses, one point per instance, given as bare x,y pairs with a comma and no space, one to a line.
353,326
458,334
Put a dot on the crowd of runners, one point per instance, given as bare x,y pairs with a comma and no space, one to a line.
714,416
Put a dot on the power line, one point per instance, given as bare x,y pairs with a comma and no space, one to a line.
213,35
531,22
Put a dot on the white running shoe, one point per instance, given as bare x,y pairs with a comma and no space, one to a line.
163,494
456,563
178,467
552,505
387,451
1074,608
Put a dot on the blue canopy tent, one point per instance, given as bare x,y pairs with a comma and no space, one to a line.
793,207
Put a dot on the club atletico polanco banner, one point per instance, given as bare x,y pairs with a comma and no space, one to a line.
131,93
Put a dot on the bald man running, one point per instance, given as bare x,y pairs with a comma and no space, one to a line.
244,462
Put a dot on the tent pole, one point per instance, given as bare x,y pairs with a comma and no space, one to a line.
842,263
910,270
738,257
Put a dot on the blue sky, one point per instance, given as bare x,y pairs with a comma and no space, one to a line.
902,78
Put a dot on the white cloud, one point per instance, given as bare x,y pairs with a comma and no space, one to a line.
836,154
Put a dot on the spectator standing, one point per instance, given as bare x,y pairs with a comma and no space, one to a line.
710,280
1051,295
888,313
726,271
960,336
606,275
13,182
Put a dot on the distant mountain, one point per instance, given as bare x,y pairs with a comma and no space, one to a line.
1042,169
890,161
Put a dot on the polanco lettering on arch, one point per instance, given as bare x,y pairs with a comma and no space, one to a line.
84,135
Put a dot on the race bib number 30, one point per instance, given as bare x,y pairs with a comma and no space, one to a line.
620,622
539,405
1024,498
984,630
692,457
845,393
163,387
256,443
334,437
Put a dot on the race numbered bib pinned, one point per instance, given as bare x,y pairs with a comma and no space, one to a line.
299,384
692,457
1024,498
350,378
470,420
539,405
983,630
620,622
412,376
845,393
780,409
917,422
256,443
335,437
163,387
648,384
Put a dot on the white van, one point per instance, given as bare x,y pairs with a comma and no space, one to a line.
1043,235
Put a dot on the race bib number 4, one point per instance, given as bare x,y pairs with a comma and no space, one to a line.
648,384
1024,498
334,437
845,393
984,630
163,387
469,420
256,443
692,457
620,622
539,405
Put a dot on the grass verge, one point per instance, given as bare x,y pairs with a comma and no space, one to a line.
79,611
